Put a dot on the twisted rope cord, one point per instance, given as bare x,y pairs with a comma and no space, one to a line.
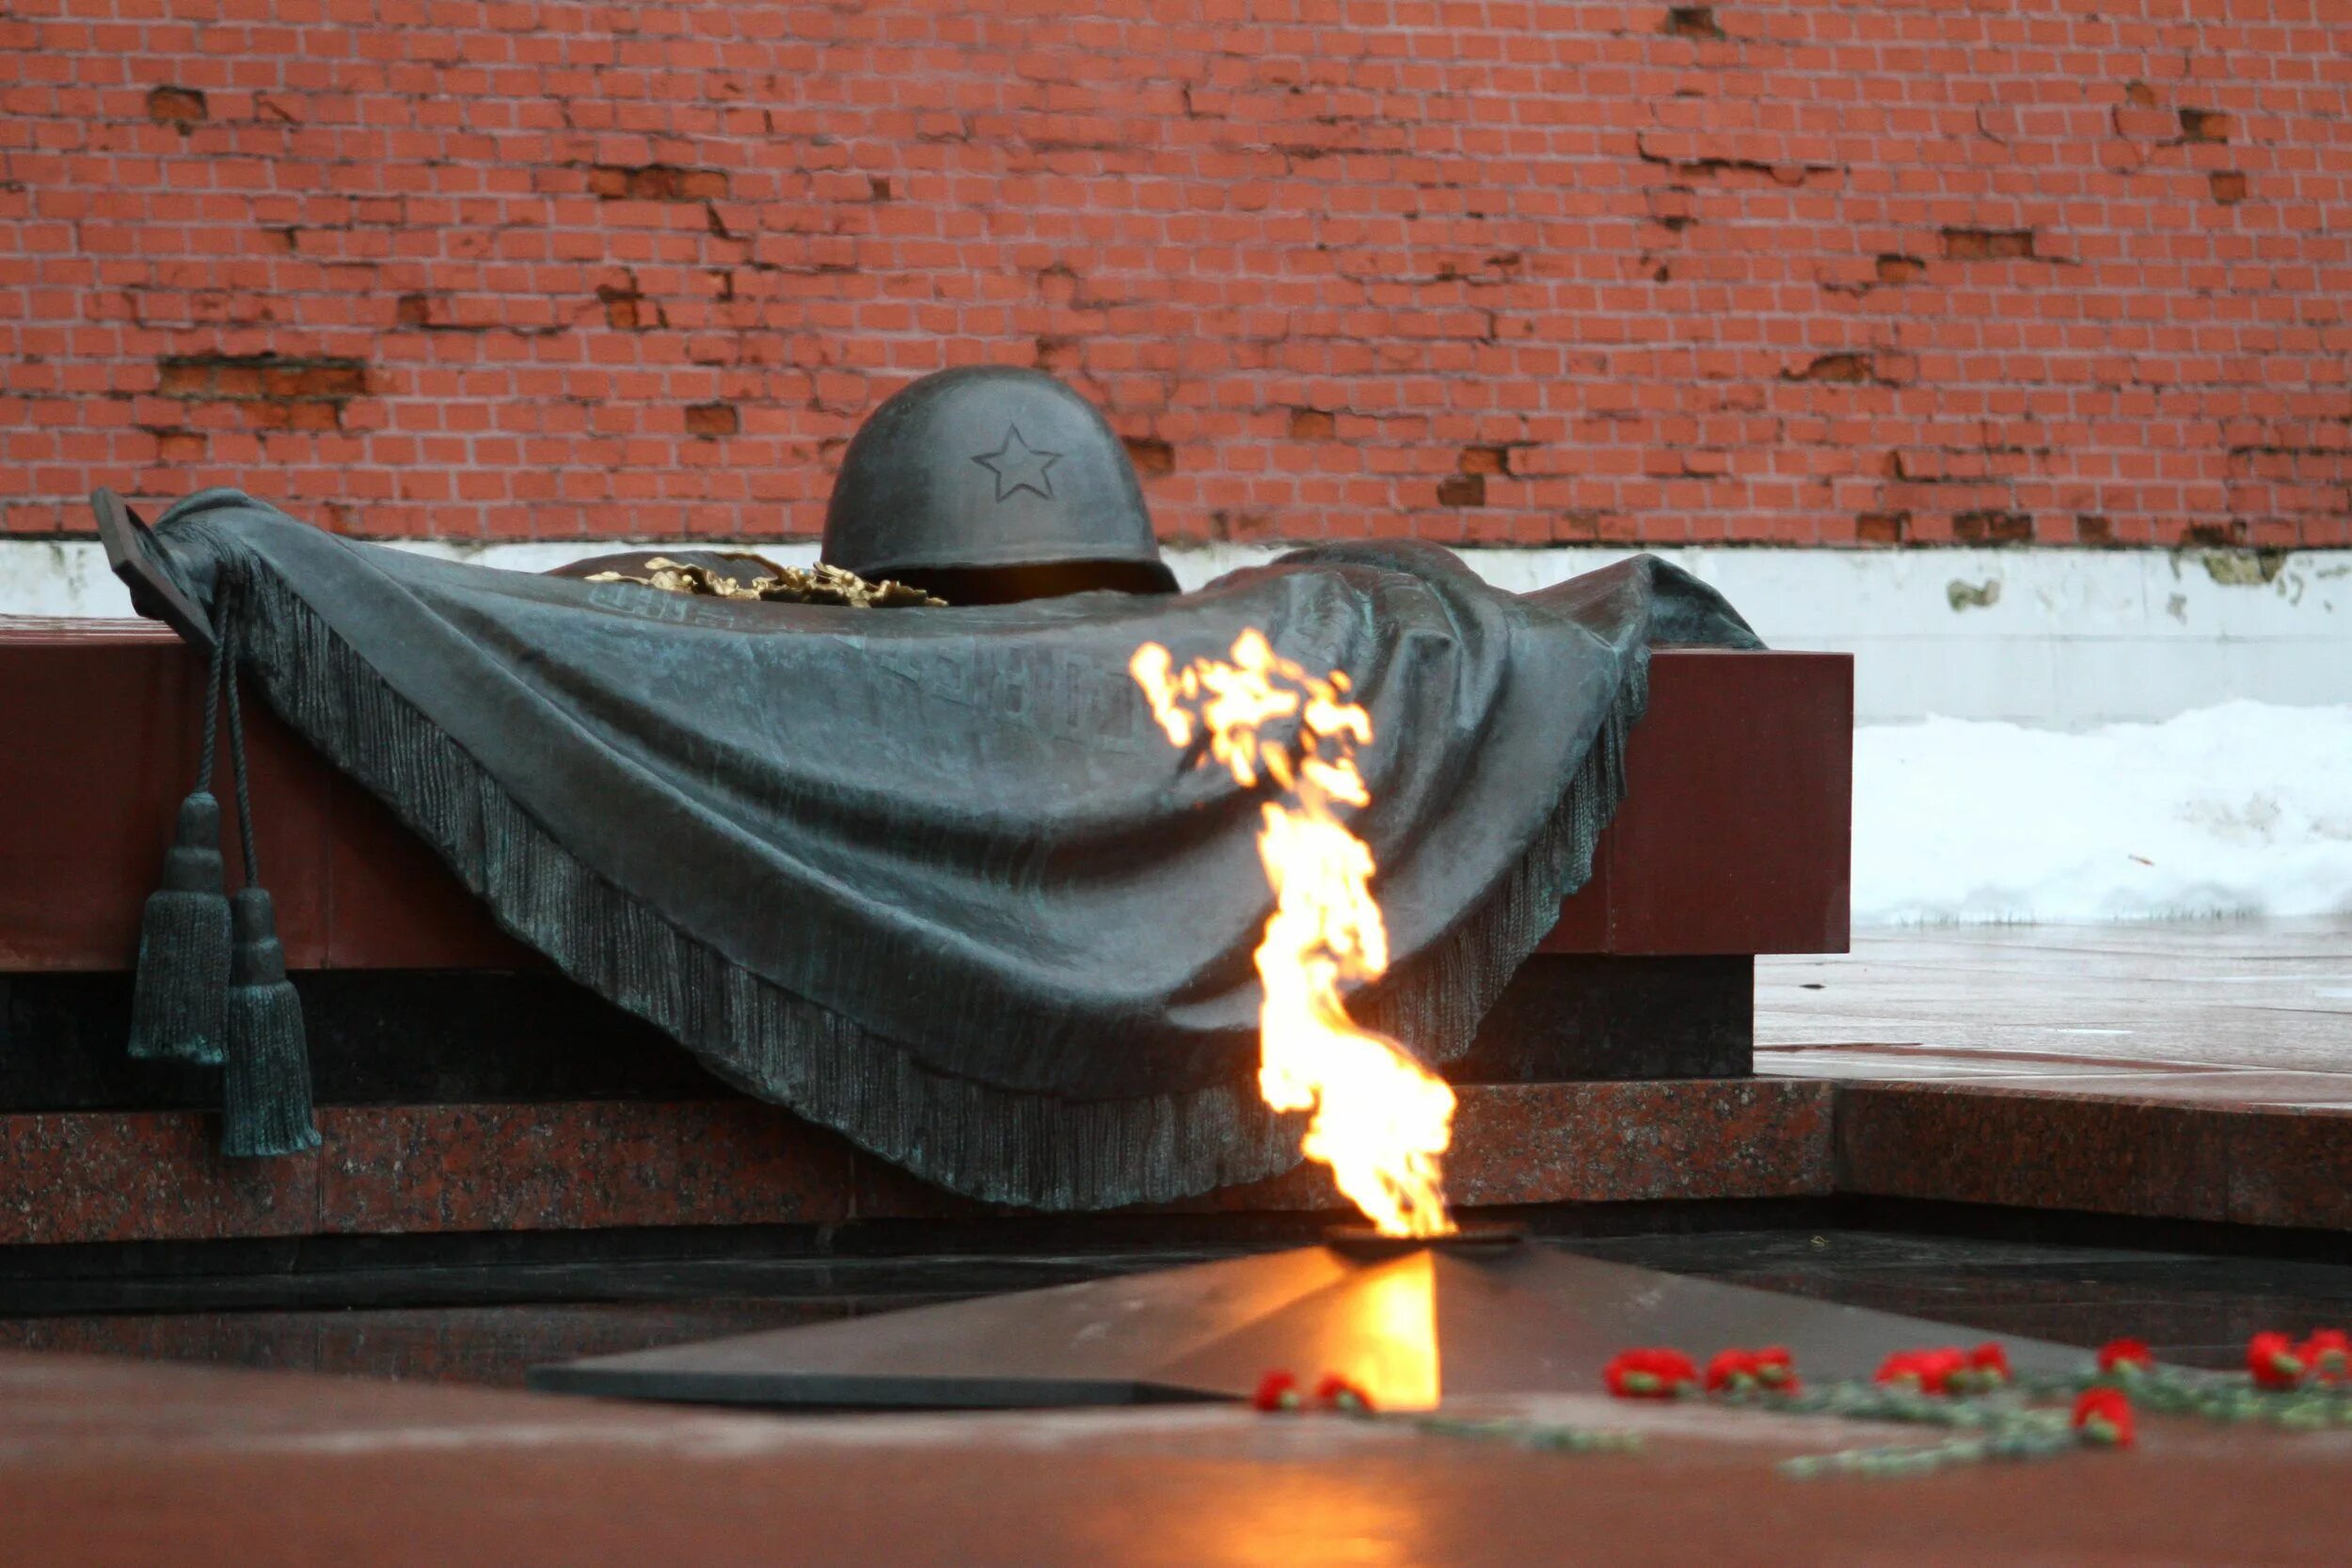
227,641
212,711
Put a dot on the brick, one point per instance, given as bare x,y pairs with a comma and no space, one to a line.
656,182
712,419
1693,22
1152,457
1462,490
2204,125
168,106
1992,527
1988,244
1836,367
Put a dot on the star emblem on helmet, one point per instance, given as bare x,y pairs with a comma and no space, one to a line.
1019,466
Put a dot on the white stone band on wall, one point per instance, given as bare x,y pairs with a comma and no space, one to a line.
2050,637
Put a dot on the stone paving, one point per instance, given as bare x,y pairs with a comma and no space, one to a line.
106,1461
2212,1012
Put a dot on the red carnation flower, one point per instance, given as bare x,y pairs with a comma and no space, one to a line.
2126,1356
2272,1360
1653,1373
2328,1354
1988,1367
2104,1417
1929,1371
1337,1393
1738,1372
1276,1392
1731,1371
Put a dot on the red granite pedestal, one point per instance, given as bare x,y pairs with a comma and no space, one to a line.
1731,843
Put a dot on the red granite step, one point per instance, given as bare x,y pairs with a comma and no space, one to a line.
2116,1146
106,1175
103,1176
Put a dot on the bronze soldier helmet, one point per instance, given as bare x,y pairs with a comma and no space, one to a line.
989,483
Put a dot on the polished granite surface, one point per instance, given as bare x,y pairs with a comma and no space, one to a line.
2195,1309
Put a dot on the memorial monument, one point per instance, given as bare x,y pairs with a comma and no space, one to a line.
931,876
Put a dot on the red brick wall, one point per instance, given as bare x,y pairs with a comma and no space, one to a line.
1806,272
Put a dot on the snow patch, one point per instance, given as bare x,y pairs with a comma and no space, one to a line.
2240,809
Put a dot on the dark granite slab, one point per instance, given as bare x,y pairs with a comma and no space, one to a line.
449,1037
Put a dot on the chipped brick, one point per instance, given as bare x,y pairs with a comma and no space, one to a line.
183,379
413,310
1882,528
1483,460
1462,490
1836,367
2213,536
1992,527
1988,244
2205,125
712,420
182,106
2140,95
1692,21
313,380
1312,424
2091,529
231,378
655,182
1151,455
625,308
1894,267
271,391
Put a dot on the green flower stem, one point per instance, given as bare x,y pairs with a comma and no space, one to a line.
1532,1435
2011,1435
